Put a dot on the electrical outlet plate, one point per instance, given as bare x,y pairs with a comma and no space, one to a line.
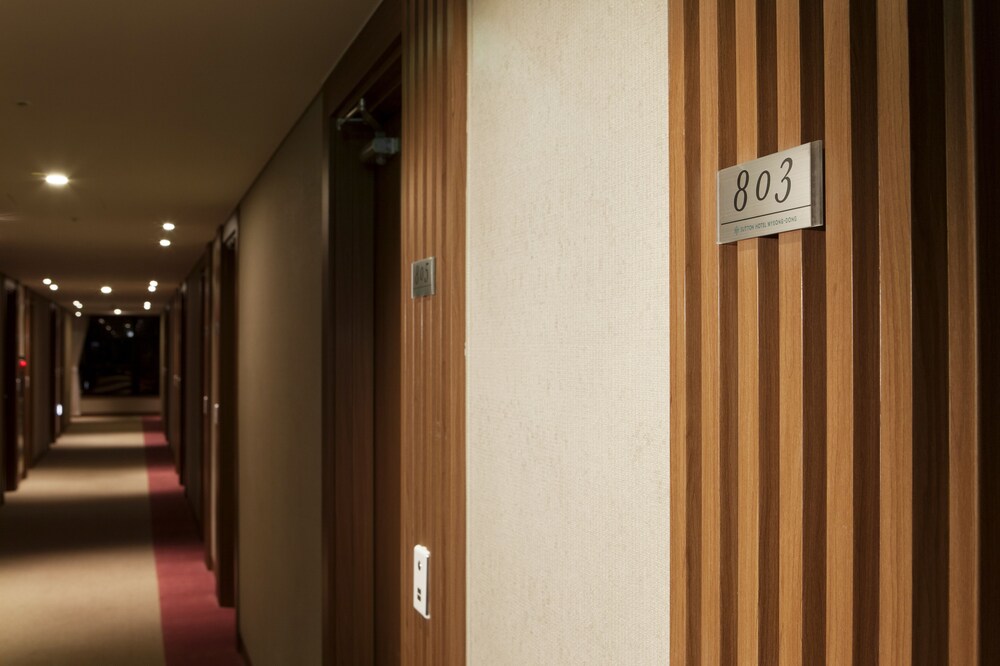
421,575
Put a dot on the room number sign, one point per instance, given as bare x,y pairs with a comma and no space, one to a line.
779,192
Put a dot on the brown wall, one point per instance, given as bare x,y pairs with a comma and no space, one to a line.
278,369
192,387
824,382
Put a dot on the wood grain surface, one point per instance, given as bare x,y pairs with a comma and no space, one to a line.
827,426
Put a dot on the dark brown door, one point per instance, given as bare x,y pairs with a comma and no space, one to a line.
194,403
364,553
387,407
11,388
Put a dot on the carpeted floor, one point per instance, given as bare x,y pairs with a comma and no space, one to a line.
96,569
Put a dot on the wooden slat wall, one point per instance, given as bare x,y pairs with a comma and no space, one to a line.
825,396
433,335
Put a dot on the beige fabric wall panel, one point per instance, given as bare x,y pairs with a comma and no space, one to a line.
279,403
568,336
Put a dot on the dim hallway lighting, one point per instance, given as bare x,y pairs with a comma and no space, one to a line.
105,290
57,179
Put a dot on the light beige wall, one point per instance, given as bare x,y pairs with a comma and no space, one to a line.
568,457
278,370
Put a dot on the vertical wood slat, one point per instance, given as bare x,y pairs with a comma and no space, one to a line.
895,272
694,552
728,339
710,436
963,389
790,340
757,634
802,343
853,399
840,351
852,331
929,365
748,460
680,403
986,102
433,338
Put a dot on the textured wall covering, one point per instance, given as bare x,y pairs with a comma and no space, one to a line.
279,403
568,458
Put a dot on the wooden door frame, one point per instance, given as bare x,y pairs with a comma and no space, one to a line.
434,55
348,556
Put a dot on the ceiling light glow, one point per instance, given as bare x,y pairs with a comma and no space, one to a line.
57,179
78,304
54,287
47,281
105,290
118,311
79,314
152,288
147,305
154,283
169,226
165,242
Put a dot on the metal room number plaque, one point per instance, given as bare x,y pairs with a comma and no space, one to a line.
769,195
422,278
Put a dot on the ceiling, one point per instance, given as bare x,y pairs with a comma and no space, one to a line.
157,111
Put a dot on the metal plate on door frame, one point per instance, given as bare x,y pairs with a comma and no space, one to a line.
422,278
772,194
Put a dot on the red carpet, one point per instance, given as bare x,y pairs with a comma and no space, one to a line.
196,630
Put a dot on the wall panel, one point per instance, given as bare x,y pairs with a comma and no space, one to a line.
824,387
435,52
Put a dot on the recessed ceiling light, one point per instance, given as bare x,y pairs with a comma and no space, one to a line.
47,281
152,288
165,242
154,283
105,290
78,304
147,305
79,314
118,311
54,287
169,226
56,179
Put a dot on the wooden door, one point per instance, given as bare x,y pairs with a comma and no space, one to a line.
364,479
387,374
824,401
10,388
194,403
26,453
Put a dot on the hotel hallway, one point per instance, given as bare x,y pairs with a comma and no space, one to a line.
100,560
